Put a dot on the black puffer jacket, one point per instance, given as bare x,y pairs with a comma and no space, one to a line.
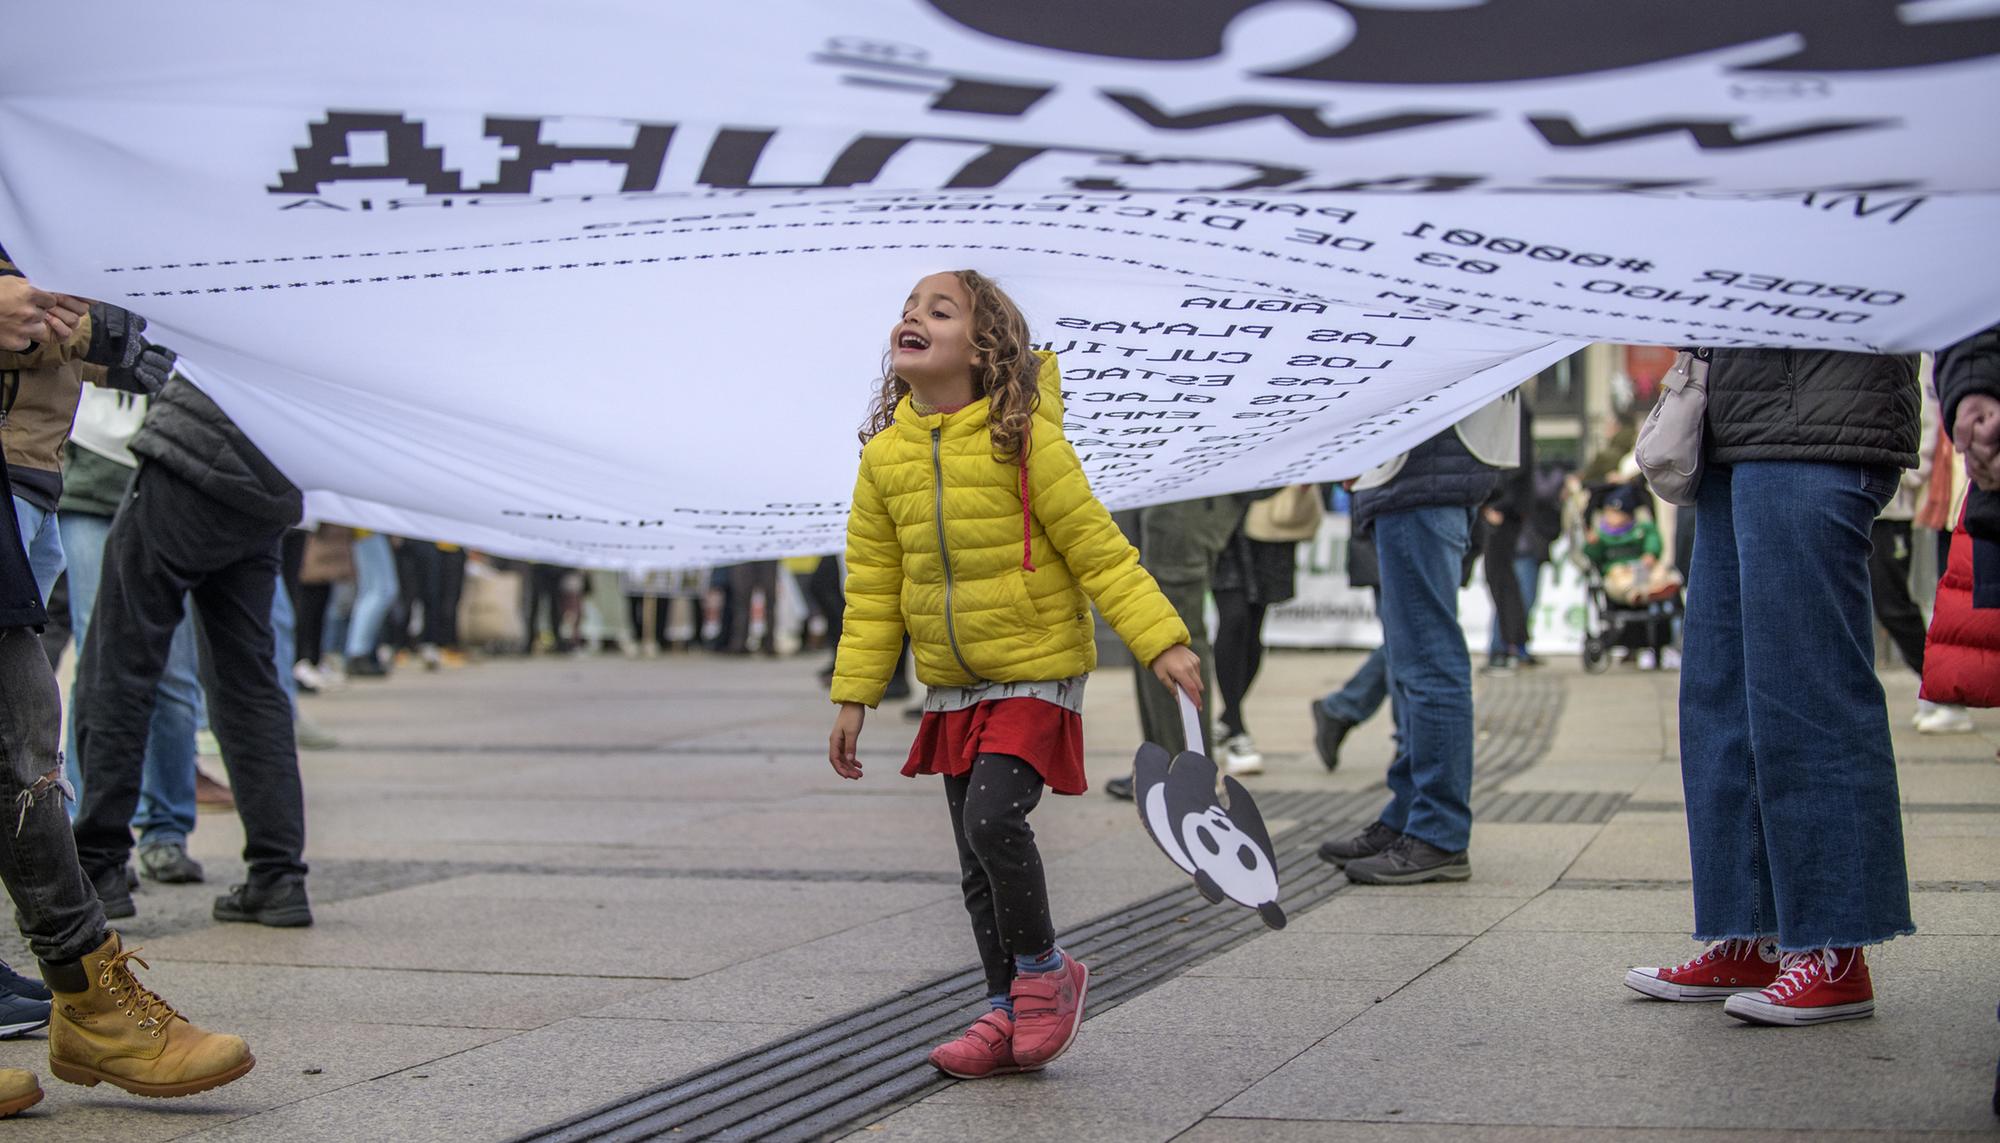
190,436
1795,404
1972,366
1440,473
20,599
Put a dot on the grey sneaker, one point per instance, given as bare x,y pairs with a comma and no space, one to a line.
1369,842
168,863
312,736
1409,861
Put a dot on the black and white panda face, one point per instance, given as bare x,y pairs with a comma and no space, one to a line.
1226,850
1228,855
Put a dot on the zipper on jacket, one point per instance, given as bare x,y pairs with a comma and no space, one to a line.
944,551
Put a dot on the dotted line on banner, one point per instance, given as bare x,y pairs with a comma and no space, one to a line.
1124,232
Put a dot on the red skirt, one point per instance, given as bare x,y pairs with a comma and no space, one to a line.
1042,734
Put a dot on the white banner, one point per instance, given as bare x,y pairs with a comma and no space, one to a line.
609,282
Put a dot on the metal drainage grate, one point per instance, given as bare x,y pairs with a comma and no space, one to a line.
828,1079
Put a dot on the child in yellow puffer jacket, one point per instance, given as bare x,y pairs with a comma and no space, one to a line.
974,530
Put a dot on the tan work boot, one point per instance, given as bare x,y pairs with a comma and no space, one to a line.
118,1031
19,1091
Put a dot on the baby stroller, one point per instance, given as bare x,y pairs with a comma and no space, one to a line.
1637,618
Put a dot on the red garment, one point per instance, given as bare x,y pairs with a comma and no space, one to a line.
1042,734
1962,655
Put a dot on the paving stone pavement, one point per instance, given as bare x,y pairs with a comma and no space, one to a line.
544,886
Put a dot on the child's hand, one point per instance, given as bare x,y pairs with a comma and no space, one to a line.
1179,667
846,736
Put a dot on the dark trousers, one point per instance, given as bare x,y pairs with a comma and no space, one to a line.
545,587
1006,893
824,589
1239,651
311,611
55,906
1889,589
170,541
451,591
1509,607
432,580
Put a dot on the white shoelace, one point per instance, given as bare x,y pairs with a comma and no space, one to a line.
1797,971
1736,949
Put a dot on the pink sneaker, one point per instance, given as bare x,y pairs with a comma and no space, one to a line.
984,1050
1815,987
1727,968
1048,1008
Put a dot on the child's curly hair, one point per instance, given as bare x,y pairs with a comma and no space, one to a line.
1005,374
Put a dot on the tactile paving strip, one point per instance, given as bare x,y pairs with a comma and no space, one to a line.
826,1080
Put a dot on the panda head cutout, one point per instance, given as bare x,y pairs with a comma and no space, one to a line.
1225,848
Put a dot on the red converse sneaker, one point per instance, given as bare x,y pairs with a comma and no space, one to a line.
1727,968
984,1050
1813,988
1048,1007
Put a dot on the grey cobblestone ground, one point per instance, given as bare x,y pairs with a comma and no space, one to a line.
545,886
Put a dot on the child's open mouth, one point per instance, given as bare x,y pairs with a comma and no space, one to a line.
912,340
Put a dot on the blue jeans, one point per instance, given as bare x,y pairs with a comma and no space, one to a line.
1794,821
42,537
1430,674
166,786
375,594
1364,693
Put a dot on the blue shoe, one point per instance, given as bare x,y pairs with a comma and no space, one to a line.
20,1015
14,982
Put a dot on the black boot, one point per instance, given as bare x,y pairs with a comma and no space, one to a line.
279,903
114,892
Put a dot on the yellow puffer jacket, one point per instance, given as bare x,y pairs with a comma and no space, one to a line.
935,547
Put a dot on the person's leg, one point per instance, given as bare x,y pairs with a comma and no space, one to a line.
375,592
742,582
1889,589
1420,553
451,589
978,891
1253,653
166,812
1732,881
54,905
284,641
1365,691
158,543
311,621
1509,609
825,588
251,716
1001,792
1528,573
339,617
42,537
83,535
1232,659
1832,831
